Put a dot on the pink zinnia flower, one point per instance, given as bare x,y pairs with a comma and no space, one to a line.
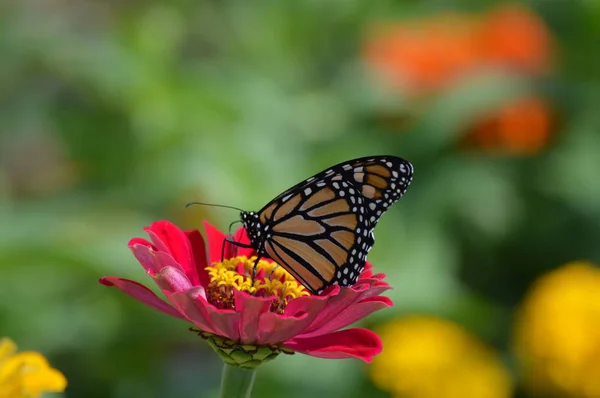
264,317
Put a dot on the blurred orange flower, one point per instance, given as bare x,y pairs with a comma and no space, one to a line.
420,56
557,333
430,357
424,55
521,127
514,37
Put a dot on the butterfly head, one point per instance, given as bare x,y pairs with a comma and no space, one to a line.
251,225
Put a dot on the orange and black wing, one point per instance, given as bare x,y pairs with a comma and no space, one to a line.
321,229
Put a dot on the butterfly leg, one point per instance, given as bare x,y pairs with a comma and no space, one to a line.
273,270
238,244
254,267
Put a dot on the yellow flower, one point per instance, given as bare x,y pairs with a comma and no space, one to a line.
557,333
26,374
429,357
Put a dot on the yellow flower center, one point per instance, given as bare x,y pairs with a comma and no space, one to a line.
236,273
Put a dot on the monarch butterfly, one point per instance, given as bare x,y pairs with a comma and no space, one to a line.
321,229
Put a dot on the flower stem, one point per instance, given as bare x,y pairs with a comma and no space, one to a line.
236,382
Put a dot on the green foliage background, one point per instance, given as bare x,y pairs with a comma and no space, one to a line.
114,114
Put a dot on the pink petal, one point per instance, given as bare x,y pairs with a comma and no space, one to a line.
367,270
370,288
140,241
140,293
336,303
274,328
199,253
153,261
205,315
378,276
250,308
171,280
352,314
350,343
298,315
341,308
167,237
145,256
312,304
186,304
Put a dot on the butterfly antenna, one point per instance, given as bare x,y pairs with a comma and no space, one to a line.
231,225
213,205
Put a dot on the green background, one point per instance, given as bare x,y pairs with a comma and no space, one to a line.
114,114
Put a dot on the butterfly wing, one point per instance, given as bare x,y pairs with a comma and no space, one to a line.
320,230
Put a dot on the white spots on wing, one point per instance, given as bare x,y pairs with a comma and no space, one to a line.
347,167
336,185
329,172
320,184
307,191
389,164
342,194
372,206
395,173
286,197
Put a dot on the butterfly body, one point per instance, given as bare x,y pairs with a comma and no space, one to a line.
321,229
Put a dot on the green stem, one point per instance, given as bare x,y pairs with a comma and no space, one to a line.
236,382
